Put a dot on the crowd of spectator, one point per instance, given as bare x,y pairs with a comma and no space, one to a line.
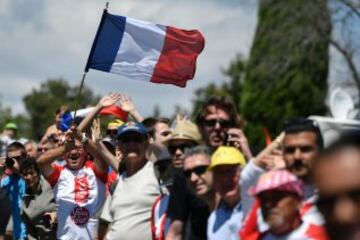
169,179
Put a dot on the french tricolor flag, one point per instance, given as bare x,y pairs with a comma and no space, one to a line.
145,51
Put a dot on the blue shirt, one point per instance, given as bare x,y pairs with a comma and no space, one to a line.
15,188
225,222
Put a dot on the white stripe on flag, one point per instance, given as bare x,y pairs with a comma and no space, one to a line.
139,49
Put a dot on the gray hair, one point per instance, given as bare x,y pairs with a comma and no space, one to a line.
197,150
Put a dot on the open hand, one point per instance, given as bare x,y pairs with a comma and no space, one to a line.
126,103
109,100
95,131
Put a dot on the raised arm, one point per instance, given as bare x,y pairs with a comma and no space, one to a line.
127,105
91,147
47,158
106,101
103,157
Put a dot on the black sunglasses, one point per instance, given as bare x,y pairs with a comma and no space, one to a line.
172,148
199,170
111,131
222,123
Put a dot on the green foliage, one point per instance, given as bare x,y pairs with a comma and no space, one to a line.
232,87
286,75
21,121
42,103
287,71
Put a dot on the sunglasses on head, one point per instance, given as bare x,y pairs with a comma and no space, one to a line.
172,148
222,123
199,170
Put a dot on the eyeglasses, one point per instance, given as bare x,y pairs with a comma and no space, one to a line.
326,204
17,158
131,138
223,123
199,170
172,148
111,131
44,149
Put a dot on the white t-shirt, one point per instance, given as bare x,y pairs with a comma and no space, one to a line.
79,194
130,206
231,225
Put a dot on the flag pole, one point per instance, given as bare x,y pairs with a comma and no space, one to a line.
87,68
79,94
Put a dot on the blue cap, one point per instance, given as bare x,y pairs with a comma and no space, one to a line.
131,127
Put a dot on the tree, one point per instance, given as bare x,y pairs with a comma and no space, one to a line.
345,40
231,87
286,75
21,121
42,103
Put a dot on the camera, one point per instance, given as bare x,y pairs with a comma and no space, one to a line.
45,221
9,162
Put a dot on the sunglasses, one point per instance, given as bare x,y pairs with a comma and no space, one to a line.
111,131
44,149
326,204
17,158
132,138
172,148
221,122
199,170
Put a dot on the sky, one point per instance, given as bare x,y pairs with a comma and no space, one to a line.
52,39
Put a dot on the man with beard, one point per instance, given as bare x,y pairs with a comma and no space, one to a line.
280,195
337,177
301,146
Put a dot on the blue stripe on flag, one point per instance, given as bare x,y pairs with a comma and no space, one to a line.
107,42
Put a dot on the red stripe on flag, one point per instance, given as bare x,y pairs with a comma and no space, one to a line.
115,111
177,62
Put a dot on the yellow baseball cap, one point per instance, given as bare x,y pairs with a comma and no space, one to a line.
226,155
115,124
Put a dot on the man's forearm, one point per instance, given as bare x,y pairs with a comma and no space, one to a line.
86,122
136,115
51,155
107,156
99,161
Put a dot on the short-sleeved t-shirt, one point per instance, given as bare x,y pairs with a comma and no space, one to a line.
79,194
129,209
225,222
